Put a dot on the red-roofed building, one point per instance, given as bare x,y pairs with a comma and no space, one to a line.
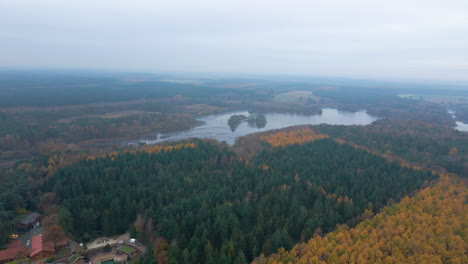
14,252
42,249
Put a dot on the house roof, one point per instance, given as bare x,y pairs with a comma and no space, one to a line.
10,253
31,218
38,245
62,242
13,250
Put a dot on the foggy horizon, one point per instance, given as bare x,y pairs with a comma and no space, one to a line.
389,40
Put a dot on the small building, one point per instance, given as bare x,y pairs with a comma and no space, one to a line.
131,252
61,244
14,252
40,249
31,221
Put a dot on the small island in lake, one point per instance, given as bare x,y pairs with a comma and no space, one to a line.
253,120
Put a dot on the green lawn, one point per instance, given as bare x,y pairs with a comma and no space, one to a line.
127,249
110,261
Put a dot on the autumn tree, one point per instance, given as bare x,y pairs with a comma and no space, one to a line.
427,228
54,234
48,203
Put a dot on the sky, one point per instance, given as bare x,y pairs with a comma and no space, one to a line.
389,39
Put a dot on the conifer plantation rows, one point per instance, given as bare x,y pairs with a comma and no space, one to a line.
214,208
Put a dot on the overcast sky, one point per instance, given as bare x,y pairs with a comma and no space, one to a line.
418,39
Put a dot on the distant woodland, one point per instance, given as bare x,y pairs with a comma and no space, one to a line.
43,112
437,147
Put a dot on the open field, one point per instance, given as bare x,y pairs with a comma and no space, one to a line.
295,97
436,98
105,116
181,81
204,109
21,109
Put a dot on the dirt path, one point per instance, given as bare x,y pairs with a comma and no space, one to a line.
103,241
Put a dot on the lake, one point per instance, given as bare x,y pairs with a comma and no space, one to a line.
460,126
216,126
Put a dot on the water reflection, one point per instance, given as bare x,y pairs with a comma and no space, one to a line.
253,120
257,120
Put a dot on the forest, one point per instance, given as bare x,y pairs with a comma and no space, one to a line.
63,88
202,201
42,111
234,132
430,227
437,147
214,208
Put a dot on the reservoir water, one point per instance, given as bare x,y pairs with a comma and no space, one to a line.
216,126
460,126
